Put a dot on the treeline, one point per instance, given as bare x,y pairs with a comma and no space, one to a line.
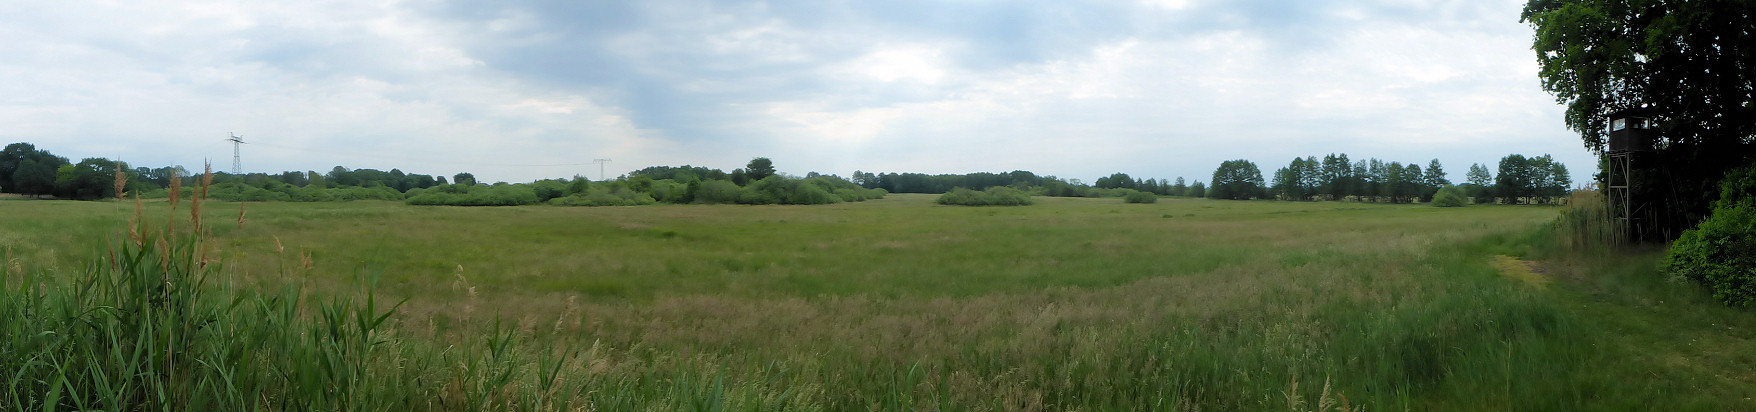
26,170
1520,180
1115,185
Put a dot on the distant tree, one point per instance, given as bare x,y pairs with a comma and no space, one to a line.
315,180
399,181
92,178
1481,182
1362,181
1434,179
1197,189
465,178
1414,189
1284,183
740,177
1514,182
1337,176
10,159
759,168
34,177
1549,180
341,176
1238,180
1115,181
1395,183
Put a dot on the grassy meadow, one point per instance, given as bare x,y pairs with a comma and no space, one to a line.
902,304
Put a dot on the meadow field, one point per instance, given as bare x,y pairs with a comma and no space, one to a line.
902,304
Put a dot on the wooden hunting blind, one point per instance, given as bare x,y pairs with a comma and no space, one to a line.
1633,130
1632,133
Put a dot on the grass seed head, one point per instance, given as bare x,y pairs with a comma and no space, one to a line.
121,181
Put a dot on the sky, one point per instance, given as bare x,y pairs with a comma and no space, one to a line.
519,90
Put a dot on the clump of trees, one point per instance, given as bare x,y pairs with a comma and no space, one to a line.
993,196
1521,180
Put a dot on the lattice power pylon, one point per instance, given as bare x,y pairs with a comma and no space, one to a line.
237,159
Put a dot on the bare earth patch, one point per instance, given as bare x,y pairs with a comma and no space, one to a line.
1531,273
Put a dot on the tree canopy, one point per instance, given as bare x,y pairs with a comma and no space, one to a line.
1693,63
1238,180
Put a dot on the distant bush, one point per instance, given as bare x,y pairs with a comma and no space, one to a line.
1135,196
282,192
605,195
717,192
1720,253
475,195
1449,196
994,196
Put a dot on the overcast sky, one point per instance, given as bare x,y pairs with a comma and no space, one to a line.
516,90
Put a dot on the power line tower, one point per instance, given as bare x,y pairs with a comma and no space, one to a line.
237,161
600,163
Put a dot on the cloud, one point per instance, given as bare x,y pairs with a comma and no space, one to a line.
524,89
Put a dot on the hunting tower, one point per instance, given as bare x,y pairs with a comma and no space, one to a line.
1632,134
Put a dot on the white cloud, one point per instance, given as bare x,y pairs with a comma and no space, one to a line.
1074,91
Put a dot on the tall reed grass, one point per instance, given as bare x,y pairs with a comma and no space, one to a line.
1585,224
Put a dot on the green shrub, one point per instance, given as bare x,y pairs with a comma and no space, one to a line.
994,196
472,195
1135,196
1449,196
717,191
605,195
1720,253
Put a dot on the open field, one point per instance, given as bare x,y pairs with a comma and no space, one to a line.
1072,303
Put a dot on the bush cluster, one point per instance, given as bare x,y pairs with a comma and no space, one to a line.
1720,253
475,195
1135,196
1449,196
993,196
282,192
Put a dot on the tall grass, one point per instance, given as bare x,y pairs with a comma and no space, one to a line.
152,326
1585,225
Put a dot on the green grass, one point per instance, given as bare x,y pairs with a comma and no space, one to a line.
901,304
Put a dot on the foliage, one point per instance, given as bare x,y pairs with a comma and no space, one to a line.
1689,61
993,196
1115,181
1237,180
26,170
717,191
1135,196
1539,179
759,168
465,179
1720,253
1449,196
475,195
